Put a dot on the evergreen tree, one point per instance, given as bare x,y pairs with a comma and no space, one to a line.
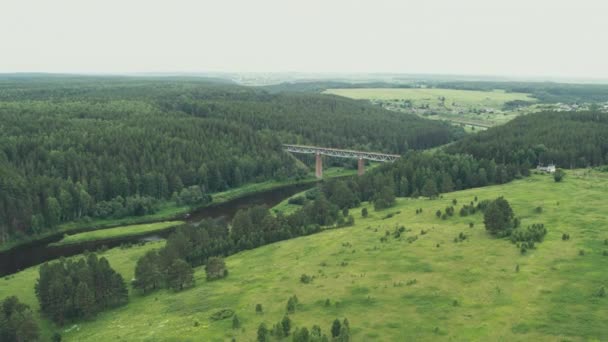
180,275
498,217
335,328
286,325
84,300
236,323
262,333
430,188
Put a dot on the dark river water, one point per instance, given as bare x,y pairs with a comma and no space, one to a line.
38,252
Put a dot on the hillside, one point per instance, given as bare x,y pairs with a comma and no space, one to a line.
567,139
431,288
82,148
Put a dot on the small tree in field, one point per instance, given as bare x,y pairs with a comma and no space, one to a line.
498,217
216,268
262,333
559,175
364,212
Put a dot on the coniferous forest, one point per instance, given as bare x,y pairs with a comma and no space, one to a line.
74,148
569,140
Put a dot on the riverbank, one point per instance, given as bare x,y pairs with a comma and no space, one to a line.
117,232
171,211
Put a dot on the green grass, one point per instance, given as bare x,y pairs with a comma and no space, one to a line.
551,298
170,210
458,106
110,233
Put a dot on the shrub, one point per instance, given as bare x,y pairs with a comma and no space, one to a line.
258,308
221,314
306,279
438,213
471,224
601,292
291,304
298,200
565,237
559,174
216,268
538,210
364,212
534,233
581,252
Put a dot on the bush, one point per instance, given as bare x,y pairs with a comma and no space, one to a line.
306,279
216,268
364,212
258,308
221,314
292,302
534,233
601,292
565,237
559,174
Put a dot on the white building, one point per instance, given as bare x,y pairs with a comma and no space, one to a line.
549,168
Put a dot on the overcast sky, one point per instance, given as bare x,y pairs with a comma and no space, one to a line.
481,37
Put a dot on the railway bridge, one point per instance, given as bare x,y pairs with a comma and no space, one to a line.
335,152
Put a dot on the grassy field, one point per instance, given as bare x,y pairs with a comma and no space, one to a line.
170,210
429,289
469,108
110,233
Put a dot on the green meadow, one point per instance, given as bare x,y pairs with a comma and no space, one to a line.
110,233
419,286
468,108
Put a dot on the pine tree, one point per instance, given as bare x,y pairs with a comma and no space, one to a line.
286,325
335,328
262,333
84,300
180,275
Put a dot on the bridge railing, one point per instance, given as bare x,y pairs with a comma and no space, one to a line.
340,153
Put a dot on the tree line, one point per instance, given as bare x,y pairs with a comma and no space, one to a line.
568,139
78,148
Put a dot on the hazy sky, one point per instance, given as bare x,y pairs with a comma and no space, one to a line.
484,37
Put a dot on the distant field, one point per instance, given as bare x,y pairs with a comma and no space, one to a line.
467,107
430,289
110,233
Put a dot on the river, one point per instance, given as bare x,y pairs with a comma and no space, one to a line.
39,251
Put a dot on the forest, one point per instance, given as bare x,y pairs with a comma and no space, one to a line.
76,148
568,139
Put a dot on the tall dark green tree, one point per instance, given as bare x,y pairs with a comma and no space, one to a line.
180,275
498,217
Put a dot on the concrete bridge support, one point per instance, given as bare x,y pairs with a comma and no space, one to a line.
318,166
361,166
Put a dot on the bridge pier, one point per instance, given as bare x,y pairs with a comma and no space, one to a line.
318,166
361,167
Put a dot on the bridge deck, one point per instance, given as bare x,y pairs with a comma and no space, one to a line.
340,153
